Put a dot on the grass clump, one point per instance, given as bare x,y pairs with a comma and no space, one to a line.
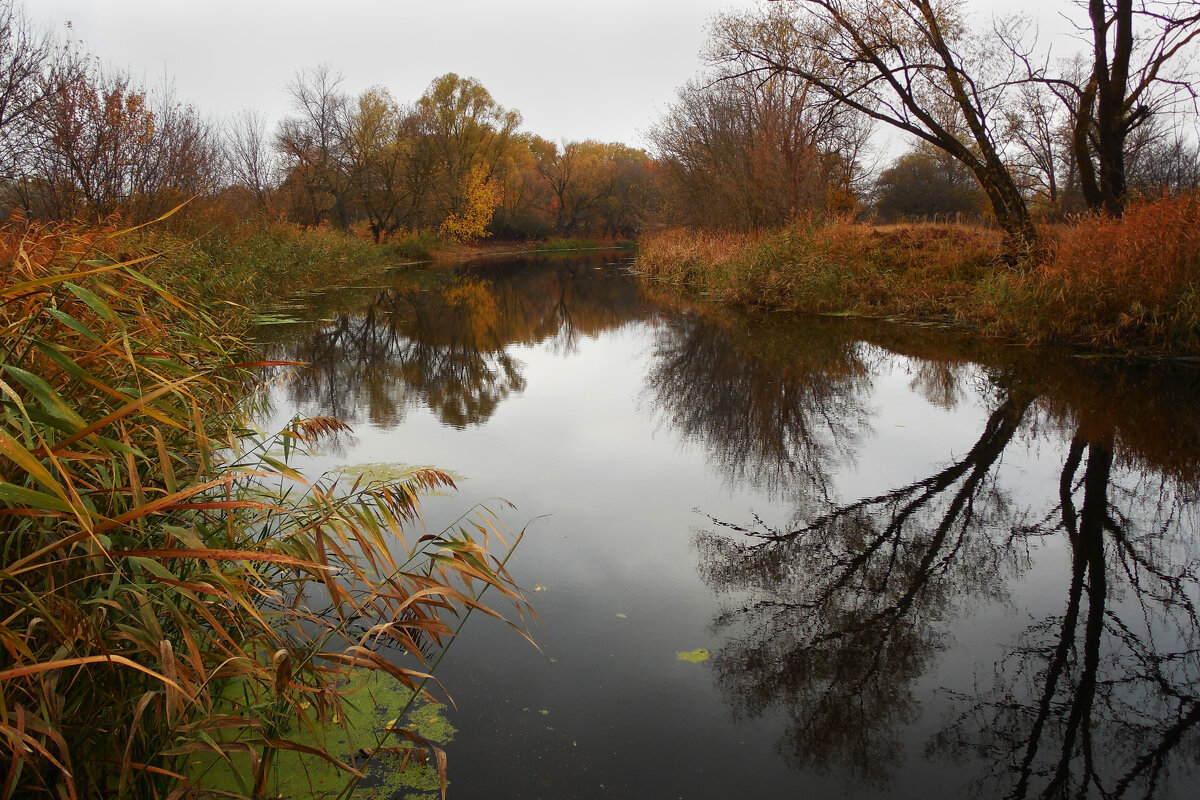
834,266
1116,281
169,586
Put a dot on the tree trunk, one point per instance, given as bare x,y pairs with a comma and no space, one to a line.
1012,214
1111,81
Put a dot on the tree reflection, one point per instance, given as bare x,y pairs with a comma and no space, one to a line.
1103,699
776,407
842,612
445,342
834,618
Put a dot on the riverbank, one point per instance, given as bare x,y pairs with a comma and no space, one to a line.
258,263
1131,284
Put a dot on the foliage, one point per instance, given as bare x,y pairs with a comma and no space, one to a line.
477,200
595,186
170,586
926,183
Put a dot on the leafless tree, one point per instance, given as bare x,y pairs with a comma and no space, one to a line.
309,143
252,162
1135,70
744,151
912,64
34,68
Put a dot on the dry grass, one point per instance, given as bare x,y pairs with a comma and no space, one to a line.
1130,282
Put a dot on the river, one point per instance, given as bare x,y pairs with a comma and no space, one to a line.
782,556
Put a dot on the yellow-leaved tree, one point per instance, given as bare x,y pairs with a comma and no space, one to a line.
479,197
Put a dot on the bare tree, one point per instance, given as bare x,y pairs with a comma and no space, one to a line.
33,70
1137,49
743,152
252,163
1039,146
105,145
310,145
912,64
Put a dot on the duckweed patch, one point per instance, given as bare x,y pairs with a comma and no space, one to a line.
382,471
369,710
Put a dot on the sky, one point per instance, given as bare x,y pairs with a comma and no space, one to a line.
575,70
596,70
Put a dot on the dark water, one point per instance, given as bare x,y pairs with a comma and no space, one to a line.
920,563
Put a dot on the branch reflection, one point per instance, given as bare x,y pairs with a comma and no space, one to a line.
835,618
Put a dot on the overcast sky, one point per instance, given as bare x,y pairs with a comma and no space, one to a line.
575,70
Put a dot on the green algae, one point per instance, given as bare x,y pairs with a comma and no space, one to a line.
384,471
373,704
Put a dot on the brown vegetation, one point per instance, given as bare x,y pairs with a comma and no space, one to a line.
1124,283
171,586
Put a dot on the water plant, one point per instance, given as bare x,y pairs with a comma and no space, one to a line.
171,587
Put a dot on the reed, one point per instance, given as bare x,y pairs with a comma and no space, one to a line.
170,586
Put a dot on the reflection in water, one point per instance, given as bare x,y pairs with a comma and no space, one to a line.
1103,698
443,339
776,409
834,618
839,621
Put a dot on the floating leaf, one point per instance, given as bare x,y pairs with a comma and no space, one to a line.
694,656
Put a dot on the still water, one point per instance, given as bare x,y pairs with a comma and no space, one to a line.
784,556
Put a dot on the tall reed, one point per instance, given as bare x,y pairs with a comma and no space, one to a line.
170,587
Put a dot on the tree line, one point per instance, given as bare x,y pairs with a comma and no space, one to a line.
78,140
781,127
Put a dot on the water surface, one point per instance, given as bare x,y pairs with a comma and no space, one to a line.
918,562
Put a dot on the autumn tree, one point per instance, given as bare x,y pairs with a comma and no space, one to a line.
632,198
525,204
106,145
579,176
382,161
912,64
747,151
465,130
478,197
